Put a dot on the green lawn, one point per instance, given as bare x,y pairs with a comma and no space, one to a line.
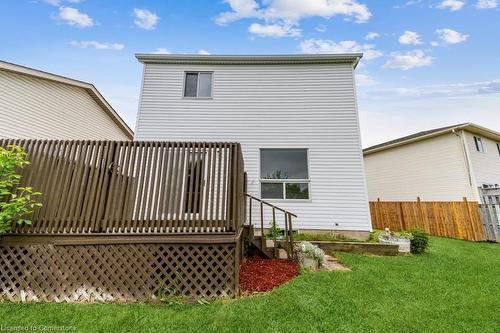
453,288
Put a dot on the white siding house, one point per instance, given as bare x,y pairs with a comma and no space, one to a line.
445,164
295,117
40,105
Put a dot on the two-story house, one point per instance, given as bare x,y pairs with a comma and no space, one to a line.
443,164
295,116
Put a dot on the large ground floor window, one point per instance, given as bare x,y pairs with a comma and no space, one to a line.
284,174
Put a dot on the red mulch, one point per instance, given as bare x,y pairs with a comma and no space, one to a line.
257,274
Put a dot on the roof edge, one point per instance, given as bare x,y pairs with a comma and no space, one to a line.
89,87
470,127
249,59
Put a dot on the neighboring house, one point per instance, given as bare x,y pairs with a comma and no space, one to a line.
40,105
444,164
295,116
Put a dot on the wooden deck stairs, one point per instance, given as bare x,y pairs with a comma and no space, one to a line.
256,233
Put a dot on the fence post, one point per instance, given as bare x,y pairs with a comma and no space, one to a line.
401,214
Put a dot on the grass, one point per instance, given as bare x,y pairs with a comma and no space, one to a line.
453,288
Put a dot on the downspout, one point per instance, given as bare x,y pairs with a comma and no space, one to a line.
468,163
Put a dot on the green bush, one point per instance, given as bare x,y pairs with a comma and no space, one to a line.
329,237
419,242
274,231
16,203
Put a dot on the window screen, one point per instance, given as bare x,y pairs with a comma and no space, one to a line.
198,84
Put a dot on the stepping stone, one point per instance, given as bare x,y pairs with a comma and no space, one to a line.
331,264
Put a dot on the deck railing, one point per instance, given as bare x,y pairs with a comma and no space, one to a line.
134,187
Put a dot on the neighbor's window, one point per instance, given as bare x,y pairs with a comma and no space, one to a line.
479,144
284,174
198,84
498,148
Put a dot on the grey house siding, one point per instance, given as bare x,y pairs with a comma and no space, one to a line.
309,106
36,108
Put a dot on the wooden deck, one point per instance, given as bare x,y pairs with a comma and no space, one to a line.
127,221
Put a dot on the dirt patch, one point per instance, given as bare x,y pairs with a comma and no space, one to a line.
259,275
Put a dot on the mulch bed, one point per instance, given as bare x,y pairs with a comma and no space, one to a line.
259,275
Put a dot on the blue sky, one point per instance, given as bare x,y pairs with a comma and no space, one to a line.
427,63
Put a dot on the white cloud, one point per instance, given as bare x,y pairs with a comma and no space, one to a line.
161,50
440,90
98,45
58,2
240,9
274,30
372,36
145,19
408,3
449,36
74,17
203,52
346,46
410,38
321,28
452,5
364,80
434,44
408,60
293,10
486,4
281,17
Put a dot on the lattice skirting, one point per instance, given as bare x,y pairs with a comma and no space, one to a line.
129,272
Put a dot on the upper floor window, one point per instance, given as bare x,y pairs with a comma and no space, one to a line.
198,84
284,174
479,144
498,148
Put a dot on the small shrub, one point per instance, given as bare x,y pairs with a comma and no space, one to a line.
16,204
390,235
419,242
374,235
329,237
274,231
308,250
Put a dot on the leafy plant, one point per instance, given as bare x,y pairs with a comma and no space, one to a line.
374,235
274,231
16,204
388,234
330,237
309,250
419,242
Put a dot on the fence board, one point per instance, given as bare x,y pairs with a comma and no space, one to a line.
134,187
460,219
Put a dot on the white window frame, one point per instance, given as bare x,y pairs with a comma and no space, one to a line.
478,142
498,148
198,85
285,181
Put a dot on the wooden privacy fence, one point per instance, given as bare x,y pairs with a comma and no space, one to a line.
490,216
125,221
460,219
134,187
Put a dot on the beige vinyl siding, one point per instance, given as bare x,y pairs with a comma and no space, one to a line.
486,166
272,106
37,108
434,170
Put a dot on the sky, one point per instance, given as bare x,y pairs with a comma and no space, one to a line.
426,63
